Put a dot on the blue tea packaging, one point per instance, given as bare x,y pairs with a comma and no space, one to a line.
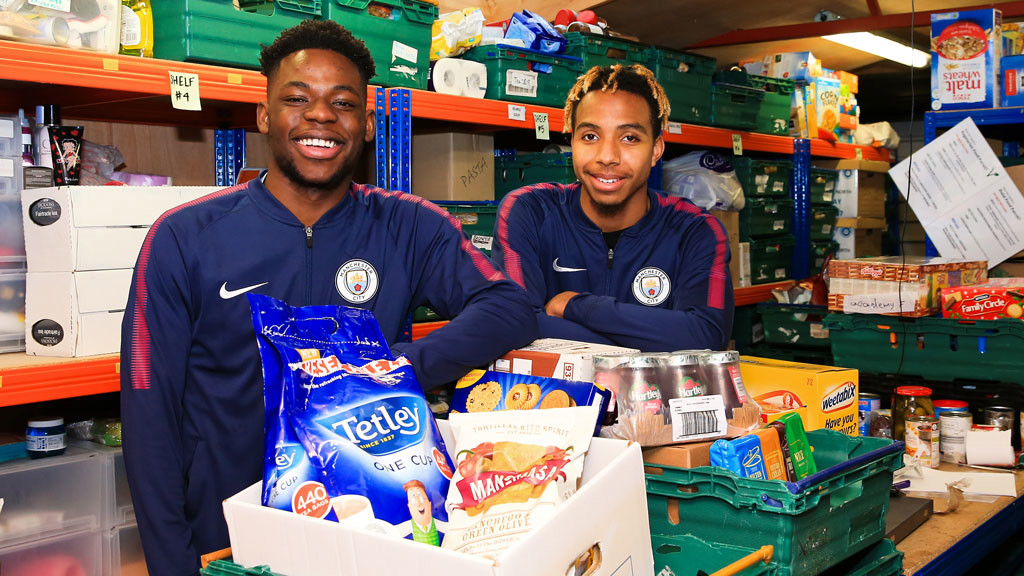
350,436
741,455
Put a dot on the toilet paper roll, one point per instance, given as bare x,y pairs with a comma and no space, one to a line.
458,77
557,149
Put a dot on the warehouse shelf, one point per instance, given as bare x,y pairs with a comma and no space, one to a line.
27,379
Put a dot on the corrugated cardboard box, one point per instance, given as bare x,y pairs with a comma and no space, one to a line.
611,503
857,242
554,358
693,455
75,313
453,166
861,189
731,222
897,285
829,393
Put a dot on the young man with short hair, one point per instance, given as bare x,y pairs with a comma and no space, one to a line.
606,259
191,379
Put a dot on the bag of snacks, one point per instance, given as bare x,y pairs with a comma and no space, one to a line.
349,433
513,469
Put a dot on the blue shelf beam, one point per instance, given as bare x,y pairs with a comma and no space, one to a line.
800,190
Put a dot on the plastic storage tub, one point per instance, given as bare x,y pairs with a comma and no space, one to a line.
12,178
12,318
794,324
770,259
934,348
761,177
528,76
686,554
512,172
735,106
820,251
10,136
397,33
686,79
773,117
762,217
823,221
229,568
600,50
216,31
12,235
123,556
823,185
79,552
477,219
93,26
813,524
120,509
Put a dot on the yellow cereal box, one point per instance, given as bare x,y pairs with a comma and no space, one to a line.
828,393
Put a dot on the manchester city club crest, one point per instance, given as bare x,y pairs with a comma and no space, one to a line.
357,281
651,286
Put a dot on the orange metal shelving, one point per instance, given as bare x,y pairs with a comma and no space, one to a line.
27,379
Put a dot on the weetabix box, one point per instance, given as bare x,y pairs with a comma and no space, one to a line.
967,48
897,285
828,393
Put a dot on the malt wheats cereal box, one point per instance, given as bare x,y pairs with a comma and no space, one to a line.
966,53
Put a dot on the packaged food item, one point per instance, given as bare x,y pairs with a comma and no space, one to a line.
953,429
967,48
774,463
942,406
741,455
787,458
867,403
881,424
897,285
799,447
514,468
995,299
349,433
486,391
922,438
910,401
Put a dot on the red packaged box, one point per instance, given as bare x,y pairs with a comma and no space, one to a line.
995,299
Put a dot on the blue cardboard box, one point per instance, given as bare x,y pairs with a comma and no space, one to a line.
1013,80
966,52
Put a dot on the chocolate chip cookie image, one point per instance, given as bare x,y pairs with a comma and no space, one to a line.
484,397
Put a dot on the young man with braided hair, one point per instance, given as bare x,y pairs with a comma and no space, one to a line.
191,381
606,259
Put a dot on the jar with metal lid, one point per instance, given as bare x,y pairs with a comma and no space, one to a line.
942,406
722,377
45,437
641,382
681,376
881,424
910,401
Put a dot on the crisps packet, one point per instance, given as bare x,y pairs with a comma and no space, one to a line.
351,436
514,468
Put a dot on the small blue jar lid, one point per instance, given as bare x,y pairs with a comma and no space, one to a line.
46,423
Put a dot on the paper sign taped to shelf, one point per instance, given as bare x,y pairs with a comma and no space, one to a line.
675,128
540,123
184,90
517,112
110,64
737,145
61,5
860,154
889,303
234,78
964,198
403,51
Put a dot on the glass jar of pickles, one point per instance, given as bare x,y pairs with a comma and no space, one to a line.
910,401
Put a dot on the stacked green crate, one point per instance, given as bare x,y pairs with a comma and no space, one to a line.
765,217
773,118
686,79
771,259
823,185
397,33
512,172
599,50
734,102
527,76
761,177
820,251
217,32
823,222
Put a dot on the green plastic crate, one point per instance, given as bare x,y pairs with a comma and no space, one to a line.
820,251
600,50
818,356
747,328
397,33
734,106
424,314
794,324
823,185
882,559
229,568
477,219
762,217
773,118
934,348
823,221
770,259
813,524
214,31
686,79
527,76
512,172
763,177
686,554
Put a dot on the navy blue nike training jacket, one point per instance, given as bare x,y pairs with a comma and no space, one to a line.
191,377
665,286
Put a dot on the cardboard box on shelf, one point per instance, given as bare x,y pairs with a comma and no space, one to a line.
554,358
799,66
857,242
453,166
71,314
611,502
861,189
94,227
731,221
1013,80
966,52
829,393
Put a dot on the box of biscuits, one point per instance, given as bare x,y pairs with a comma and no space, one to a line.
556,358
898,285
997,298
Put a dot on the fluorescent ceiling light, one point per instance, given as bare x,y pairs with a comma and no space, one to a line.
883,47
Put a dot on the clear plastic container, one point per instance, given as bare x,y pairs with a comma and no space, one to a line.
10,135
51,496
12,179
93,26
12,314
118,508
123,552
78,552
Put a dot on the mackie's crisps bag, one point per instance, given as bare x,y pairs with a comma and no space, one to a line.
349,434
514,468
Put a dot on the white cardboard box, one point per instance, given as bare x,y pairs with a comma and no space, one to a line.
609,510
75,313
555,358
861,189
94,227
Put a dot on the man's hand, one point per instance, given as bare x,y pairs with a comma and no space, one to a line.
556,306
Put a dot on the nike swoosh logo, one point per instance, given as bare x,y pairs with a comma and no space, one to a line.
229,294
562,269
